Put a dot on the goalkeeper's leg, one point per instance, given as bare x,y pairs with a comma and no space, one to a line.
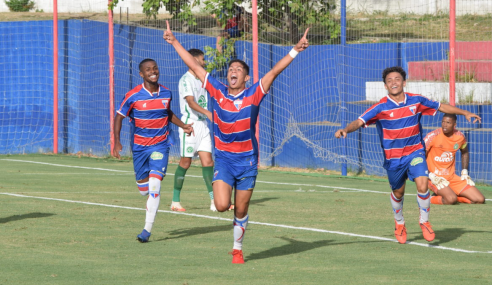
472,194
444,196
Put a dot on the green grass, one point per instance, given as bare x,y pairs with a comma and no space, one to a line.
47,241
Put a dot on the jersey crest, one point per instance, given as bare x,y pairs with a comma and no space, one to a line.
412,109
238,103
165,103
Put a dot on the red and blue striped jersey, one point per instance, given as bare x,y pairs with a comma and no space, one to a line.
235,118
398,125
148,116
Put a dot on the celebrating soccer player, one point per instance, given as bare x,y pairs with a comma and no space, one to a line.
397,117
235,113
148,106
441,147
193,100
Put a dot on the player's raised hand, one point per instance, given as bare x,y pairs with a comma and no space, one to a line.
187,128
168,35
340,133
471,115
303,42
116,150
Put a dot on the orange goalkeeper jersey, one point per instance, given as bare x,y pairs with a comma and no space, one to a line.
441,152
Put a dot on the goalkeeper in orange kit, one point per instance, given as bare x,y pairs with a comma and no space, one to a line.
441,147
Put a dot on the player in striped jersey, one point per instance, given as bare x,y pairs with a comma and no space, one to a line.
397,118
235,112
148,107
441,146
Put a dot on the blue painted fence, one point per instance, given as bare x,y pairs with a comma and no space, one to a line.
26,84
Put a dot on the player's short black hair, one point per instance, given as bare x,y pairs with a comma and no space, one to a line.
144,61
452,116
195,52
245,66
394,69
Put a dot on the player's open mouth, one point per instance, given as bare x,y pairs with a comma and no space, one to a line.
233,79
153,76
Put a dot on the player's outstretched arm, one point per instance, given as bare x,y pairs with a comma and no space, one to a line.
449,109
268,79
187,128
352,127
184,54
194,105
118,119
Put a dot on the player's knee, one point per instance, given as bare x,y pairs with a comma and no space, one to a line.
222,207
480,200
449,200
185,162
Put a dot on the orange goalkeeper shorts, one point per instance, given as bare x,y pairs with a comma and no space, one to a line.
455,183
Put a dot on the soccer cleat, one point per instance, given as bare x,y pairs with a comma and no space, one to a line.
237,256
212,206
427,231
176,206
400,233
231,207
144,236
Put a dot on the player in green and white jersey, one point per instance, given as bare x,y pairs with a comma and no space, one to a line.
193,100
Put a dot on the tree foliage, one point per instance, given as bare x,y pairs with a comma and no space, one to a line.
285,15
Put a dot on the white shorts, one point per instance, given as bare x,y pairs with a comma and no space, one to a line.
201,141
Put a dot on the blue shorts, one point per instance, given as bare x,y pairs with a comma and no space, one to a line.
151,162
412,166
233,32
240,177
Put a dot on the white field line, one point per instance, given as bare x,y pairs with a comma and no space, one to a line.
196,176
255,223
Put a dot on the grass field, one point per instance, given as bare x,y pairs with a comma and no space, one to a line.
69,220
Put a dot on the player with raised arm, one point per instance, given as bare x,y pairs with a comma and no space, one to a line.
235,113
193,101
397,118
441,147
148,107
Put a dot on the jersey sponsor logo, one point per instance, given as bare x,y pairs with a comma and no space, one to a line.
189,149
156,156
456,146
413,109
238,103
441,171
445,157
144,105
392,115
416,160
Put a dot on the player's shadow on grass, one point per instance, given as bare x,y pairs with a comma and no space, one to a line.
181,233
293,247
259,201
14,218
446,235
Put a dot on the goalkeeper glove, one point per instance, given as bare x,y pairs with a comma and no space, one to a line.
464,175
438,181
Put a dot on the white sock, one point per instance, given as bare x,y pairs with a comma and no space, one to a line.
239,231
397,205
153,201
424,204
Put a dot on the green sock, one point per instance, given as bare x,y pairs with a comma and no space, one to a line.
179,177
208,174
